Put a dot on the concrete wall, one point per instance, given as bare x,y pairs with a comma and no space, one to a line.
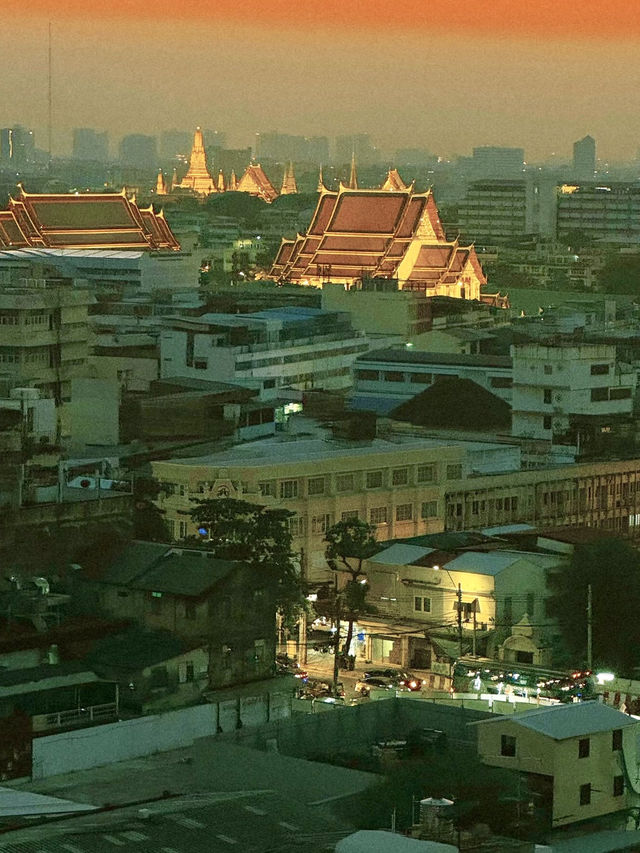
81,749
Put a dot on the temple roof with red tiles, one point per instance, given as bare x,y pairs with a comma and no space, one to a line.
255,182
84,220
368,233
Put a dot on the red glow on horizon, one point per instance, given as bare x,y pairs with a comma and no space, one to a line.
561,19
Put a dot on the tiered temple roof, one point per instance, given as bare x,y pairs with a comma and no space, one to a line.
384,233
255,182
198,178
82,221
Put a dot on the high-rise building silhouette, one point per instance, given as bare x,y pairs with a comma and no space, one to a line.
139,150
17,146
89,144
584,159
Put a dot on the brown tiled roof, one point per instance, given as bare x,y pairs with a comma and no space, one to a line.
63,220
255,182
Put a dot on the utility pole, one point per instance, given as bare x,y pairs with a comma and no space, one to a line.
475,625
589,629
460,618
50,98
336,641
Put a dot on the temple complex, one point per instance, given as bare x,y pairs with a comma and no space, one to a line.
387,233
83,221
198,178
255,182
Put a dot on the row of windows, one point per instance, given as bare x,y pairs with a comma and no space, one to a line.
377,515
243,366
352,481
600,394
421,378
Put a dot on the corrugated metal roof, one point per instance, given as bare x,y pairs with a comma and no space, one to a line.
567,721
477,562
401,555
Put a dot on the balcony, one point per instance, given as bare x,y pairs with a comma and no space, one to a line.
75,718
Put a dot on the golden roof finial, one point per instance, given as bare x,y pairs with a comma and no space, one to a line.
353,175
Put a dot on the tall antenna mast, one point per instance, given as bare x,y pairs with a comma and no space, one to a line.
50,98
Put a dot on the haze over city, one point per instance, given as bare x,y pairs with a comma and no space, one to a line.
537,75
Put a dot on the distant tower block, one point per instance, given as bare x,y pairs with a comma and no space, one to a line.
161,187
353,175
222,185
198,178
289,186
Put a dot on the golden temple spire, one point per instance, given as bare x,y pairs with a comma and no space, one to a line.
353,176
174,179
198,178
321,186
222,186
289,185
161,187
233,181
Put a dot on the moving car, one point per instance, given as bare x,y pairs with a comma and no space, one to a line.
402,677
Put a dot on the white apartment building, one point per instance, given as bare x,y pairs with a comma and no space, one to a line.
396,375
271,351
566,390
396,484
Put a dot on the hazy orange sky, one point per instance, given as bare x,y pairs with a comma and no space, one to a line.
436,73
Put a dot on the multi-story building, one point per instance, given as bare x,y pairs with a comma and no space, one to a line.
573,758
283,147
584,159
496,211
572,391
491,161
395,484
45,332
609,213
89,144
17,146
380,309
272,350
396,375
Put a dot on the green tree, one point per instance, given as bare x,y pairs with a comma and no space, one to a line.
256,535
349,544
148,520
612,568
620,274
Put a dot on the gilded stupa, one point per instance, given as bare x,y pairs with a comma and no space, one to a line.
198,178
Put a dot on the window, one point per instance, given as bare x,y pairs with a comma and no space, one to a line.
404,512
426,473
422,378
421,604
183,530
298,525
289,489
501,382
548,369
454,472
616,740
267,490
584,745
530,603
156,602
546,422
619,393
618,786
350,513
429,509
393,376
201,363
344,482
374,479
508,745
320,523
546,396
585,794
599,394
190,610
599,369
315,486
367,375
378,515
269,383
400,476
189,673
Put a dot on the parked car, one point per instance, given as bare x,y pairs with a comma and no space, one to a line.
314,689
402,677
365,685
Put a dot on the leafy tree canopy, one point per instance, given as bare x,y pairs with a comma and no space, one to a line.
257,535
612,568
620,274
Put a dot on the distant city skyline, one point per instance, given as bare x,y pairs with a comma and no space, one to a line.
471,74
